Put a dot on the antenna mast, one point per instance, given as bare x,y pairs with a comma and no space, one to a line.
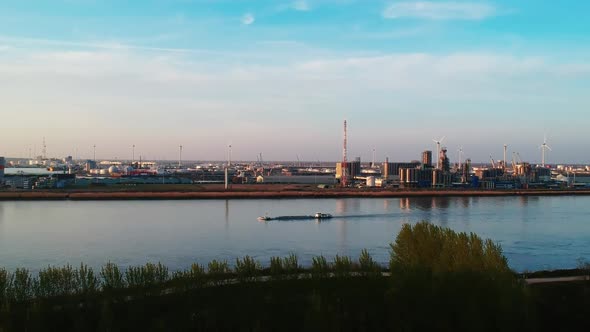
344,179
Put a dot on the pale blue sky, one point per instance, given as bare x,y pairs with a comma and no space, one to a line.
278,77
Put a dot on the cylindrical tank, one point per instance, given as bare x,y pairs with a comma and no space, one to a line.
103,171
113,169
2,165
370,181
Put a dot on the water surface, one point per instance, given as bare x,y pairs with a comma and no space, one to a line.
535,232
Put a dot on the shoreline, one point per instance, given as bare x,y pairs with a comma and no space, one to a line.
272,193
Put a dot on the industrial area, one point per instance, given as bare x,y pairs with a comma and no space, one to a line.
432,170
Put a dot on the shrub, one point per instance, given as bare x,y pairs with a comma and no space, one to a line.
193,277
440,249
342,265
291,264
56,281
112,278
367,265
21,286
86,280
146,275
5,279
218,270
319,267
276,267
457,280
247,268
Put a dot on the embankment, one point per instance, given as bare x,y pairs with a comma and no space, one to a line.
271,193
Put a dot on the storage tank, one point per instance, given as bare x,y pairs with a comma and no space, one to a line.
103,172
113,169
2,165
370,181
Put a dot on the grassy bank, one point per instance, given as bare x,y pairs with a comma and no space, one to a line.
167,192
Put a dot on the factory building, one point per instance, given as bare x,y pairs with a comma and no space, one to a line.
443,160
441,178
391,171
415,177
427,159
2,166
297,179
353,169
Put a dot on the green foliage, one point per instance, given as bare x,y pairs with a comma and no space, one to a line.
5,279
56,281
112,278
216,267
146,275
291,264
276,267
286,267
217,271
456,279
21,286
86,280
342,265
320,267
367,265
247,268
441,249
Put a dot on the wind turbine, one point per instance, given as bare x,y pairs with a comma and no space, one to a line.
438,142
544,147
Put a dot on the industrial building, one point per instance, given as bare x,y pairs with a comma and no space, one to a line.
391,171
353,169
2,166
297,179
427,159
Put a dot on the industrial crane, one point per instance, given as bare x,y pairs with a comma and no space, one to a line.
492,160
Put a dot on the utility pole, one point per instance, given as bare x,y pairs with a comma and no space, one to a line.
133,155
505,149
179,155
94,147
344,167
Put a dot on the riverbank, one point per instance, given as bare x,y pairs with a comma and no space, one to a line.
185,192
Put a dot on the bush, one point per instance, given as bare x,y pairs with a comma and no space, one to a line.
86,280
342,266
427,246
21,286
247,268
112,278
146,275
319,267
276,267
218,270
5,279
367,265
457,280
291,265
56,281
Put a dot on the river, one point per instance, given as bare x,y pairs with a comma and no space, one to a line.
535,232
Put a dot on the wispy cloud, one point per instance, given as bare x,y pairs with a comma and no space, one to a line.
300,5
248,19
448,10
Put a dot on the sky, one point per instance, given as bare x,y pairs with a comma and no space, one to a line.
279,77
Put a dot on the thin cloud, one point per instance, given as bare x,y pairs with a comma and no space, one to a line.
248,19
300,5
449,10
